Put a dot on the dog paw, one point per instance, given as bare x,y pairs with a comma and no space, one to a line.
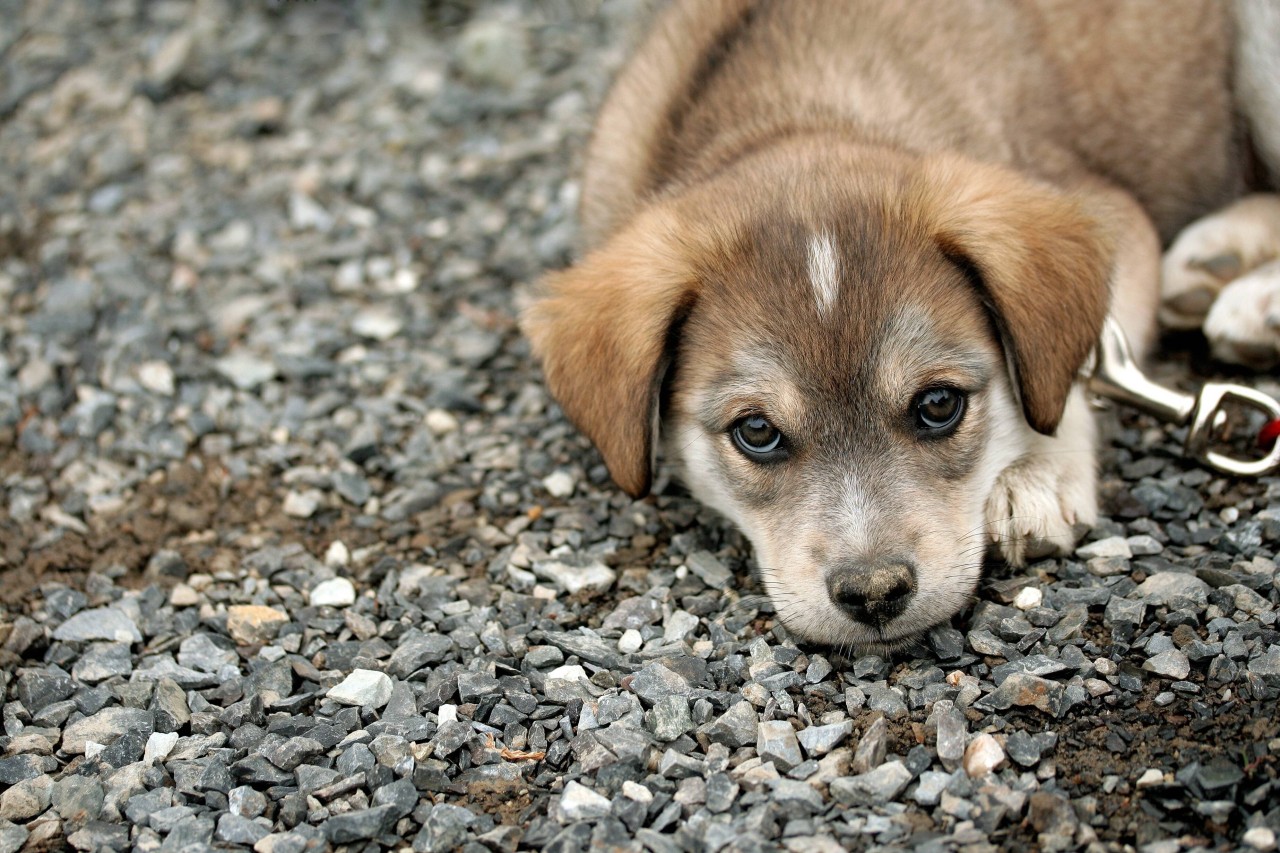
1036,503
1213,252
1243,327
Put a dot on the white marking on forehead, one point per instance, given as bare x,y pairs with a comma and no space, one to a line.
856,513
824,273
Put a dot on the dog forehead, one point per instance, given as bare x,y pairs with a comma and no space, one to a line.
849,302
872,351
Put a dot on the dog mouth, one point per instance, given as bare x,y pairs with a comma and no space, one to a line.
887,607
838,628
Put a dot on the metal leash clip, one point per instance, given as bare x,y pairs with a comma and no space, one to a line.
1112,372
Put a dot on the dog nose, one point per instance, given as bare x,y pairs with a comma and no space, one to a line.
873,593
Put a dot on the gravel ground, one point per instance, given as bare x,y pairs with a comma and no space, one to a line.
298,554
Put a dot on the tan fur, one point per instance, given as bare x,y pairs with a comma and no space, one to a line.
814,211
1137,92
600,329
629,133
1044,264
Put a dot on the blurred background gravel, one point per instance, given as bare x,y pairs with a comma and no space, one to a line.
297,553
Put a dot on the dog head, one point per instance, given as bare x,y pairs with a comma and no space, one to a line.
844,349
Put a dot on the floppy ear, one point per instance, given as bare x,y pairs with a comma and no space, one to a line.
1043,265
602,330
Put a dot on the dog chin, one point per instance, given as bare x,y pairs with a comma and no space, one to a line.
820,623
844,635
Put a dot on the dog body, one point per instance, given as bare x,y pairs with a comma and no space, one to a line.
853,255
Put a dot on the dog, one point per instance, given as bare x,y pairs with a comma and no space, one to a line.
845,260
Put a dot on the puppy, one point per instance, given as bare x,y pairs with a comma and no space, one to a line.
846,260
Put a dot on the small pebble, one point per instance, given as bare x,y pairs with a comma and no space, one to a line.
630,641
984,755
636,792
336,556
302,504
1171,664
559,484
1112,546
578,802
1259,838
363,687
336,592
1028,598
157,377
1151,776
254,624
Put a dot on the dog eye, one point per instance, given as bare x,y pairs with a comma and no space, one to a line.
756,437
938,410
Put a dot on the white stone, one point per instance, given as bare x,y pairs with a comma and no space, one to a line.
441,422
366,688
447,714
183,595
570,672
244,370
306,213
349,276
636,791
1106,567
1150,777
932,784
302,504
336,556
493,52
1144,546
92,749
157,377
630,641
1096,687
271,653
1163,587
567,682
403,281
102,623
1260,838
34,375
172,57
560,484
678,626
1028,598
578,802
159,745
338,592
379,324
1171,664
574,579
1112,546
984,755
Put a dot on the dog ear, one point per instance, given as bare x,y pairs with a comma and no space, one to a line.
603,330
1043,264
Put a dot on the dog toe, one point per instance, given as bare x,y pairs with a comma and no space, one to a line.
1243,327
1214,252
1033,509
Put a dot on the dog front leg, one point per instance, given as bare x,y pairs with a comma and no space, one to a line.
1038,500
1223,272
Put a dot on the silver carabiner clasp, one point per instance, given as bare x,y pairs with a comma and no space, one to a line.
1113,373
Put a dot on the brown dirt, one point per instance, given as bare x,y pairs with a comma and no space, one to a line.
193,507
508,803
